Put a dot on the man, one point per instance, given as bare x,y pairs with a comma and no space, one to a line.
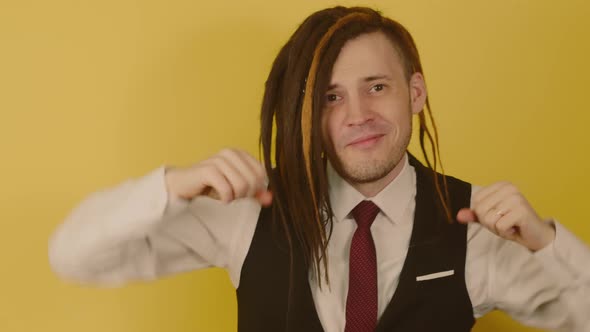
347,231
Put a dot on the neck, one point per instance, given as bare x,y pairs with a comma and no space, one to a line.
370,189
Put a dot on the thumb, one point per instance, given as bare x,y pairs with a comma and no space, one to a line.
466,215
264,197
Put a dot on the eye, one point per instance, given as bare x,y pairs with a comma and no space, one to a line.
330,98
378,87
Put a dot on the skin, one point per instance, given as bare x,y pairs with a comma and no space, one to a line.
367,118
366,126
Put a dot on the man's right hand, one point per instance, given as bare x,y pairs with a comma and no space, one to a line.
228,175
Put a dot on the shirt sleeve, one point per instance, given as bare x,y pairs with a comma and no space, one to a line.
524,285
535,289
135,232
547,289
566,258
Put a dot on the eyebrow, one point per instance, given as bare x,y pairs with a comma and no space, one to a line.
366,80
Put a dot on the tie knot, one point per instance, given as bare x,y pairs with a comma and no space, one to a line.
364,213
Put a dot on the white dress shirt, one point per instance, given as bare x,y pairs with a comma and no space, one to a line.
134,231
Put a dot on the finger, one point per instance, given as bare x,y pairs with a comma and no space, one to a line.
493,199
263,194
466,215
492,216
256,166
249,183
507,227
508,205
238,183
264,197
218,185
488,221
261,179
485,191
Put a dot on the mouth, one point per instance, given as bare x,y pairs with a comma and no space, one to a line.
366,141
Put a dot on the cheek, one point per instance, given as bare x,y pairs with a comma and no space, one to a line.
329,127
395,112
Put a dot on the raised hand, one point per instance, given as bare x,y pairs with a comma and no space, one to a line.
230,174
503,209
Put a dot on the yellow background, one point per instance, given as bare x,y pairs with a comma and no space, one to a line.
93,92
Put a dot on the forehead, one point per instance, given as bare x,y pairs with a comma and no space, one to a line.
368,54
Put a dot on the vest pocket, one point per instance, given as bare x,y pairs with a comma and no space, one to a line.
435,275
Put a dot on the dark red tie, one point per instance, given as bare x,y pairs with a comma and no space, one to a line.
361,303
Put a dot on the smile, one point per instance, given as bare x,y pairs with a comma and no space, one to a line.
366,142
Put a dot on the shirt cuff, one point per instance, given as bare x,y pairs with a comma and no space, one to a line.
564,257
174,204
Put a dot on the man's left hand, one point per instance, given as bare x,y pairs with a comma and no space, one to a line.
502,209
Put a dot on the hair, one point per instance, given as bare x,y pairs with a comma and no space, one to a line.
292,104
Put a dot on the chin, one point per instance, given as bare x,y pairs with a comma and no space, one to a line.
372,168
368,170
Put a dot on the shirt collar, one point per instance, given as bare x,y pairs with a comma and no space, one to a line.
393,200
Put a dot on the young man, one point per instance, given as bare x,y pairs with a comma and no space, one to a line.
347,231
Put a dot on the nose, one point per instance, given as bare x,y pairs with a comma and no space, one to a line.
357,111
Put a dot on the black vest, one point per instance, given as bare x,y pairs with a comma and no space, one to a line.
440,304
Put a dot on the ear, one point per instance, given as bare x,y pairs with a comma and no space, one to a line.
418,92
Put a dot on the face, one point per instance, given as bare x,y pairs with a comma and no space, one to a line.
367,116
